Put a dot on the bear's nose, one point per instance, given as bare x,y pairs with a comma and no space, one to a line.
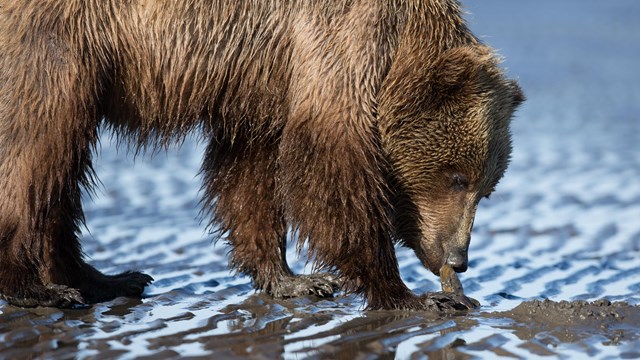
458,260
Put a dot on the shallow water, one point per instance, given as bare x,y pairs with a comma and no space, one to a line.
564,224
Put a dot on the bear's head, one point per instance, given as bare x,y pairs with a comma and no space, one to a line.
444,123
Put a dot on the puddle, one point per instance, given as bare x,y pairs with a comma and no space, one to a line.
564,225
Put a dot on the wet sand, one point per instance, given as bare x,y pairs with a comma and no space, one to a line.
263,328
563,225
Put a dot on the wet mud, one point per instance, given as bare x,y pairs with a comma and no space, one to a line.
548,325
263,328
554,256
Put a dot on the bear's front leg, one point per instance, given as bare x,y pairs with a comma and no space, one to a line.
241,193
336,196
335,192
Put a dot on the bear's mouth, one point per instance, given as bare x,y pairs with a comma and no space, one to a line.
431,258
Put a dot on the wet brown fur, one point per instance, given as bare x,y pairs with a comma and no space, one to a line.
341,119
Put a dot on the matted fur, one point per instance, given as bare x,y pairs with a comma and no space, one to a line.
339,119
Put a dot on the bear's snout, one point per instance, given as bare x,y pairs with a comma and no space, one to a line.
458,259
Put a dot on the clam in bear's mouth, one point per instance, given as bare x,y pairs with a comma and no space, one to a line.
449,280
451,284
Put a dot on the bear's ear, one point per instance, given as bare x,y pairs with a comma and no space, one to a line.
454,67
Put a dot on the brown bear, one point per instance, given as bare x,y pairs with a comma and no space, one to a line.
355,123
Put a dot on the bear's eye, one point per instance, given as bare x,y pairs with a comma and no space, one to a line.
459,182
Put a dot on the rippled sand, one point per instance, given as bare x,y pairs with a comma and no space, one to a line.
564,225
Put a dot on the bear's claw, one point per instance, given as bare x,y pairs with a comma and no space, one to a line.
51,295
446,301
320,284
107,287
132,283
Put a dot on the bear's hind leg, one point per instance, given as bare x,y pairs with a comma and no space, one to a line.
48,128
21,287
41,262
241,191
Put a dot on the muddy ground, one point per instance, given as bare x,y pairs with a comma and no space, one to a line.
564,225
175,325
